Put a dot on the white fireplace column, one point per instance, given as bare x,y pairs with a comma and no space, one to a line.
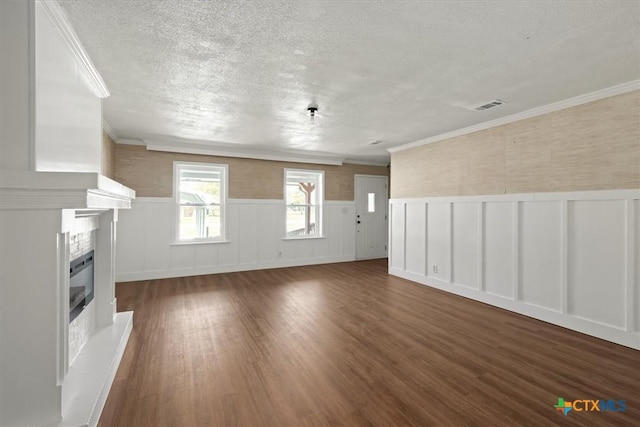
105,292
30,322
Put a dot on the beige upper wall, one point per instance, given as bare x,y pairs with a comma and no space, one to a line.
595,146
150,174
108,156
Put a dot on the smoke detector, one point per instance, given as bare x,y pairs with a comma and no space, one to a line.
488,105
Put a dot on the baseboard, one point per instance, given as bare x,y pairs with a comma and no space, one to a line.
168,274
566,320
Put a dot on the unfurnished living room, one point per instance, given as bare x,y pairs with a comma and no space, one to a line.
319,213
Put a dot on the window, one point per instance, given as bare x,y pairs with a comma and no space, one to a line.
200,193
303,196
371,202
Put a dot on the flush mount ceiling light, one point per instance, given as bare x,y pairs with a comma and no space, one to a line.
312,108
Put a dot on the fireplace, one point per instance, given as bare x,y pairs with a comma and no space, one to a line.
80,284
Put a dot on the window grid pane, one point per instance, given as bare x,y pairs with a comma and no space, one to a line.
303,199
200,204
371,202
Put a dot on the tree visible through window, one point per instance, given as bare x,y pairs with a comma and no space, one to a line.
200,198
304,195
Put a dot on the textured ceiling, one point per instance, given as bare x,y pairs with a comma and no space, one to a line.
244,72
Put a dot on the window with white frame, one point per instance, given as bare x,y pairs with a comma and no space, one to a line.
304,195
200,194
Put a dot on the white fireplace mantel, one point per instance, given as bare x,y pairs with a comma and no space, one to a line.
39,211
62,190
51,189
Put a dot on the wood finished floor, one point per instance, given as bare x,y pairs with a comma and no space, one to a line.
347,344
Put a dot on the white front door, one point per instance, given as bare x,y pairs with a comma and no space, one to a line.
371,216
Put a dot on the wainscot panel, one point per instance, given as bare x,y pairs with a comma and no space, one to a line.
255,230
566,258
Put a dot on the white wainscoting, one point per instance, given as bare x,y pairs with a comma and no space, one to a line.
146,249
572,259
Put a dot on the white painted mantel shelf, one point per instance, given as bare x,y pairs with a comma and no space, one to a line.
62,190
38,213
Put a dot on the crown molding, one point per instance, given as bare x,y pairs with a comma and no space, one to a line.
130,141
538,111
366,162
60,21
106,127
180,147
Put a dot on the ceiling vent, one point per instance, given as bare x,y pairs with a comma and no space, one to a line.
488,105
376,142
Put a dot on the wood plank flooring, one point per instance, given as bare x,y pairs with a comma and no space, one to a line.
348,345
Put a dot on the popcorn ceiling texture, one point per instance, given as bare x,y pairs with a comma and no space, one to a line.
244,72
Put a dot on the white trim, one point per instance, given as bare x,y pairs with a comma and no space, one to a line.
230,268
624,332
106,127
366,162
256,201
564,257
589,327
129,141
538,111
245,201
387,243
224,190
60,21
250,153
319,206
630,274
199,242
61,190
525,197
31,7
303,238
87,385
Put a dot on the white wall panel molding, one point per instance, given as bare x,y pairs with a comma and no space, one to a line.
256,228
199,271
632,292
524,197
565,258
586,326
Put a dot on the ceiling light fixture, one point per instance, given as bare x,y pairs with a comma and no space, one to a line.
312,108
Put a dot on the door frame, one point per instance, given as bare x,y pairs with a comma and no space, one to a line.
386,211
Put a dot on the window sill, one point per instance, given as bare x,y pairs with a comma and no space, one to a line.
304,238
199,242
